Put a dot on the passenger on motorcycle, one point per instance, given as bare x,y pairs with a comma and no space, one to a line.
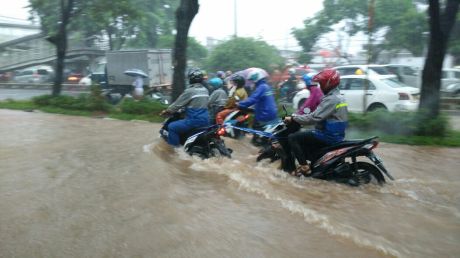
195,101
314,99
236,93
217,99
263,99
330,118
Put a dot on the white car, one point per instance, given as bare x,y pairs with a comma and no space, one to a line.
85,81
363,69
384,92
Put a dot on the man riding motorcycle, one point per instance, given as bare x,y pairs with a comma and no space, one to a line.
289,85
330,118
195,101
263,98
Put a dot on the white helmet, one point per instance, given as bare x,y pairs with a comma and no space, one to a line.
256,74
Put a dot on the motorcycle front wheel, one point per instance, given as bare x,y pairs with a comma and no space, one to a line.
219,145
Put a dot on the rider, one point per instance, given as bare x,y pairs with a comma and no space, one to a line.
217,99
263,99
290,84
314,99
195,101
330,118
236,93
221,75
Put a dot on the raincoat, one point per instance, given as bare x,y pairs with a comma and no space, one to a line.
264,101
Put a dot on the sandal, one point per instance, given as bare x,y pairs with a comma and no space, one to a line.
302,170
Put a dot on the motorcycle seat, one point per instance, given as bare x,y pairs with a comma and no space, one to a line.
348,143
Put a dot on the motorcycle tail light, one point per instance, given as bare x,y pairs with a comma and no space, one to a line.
371,145
221,131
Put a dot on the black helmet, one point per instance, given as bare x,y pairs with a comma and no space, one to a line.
195,76
239,80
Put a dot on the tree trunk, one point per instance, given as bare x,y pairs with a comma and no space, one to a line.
440,28
60,42
184,16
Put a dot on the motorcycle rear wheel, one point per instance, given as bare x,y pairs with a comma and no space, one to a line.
366,173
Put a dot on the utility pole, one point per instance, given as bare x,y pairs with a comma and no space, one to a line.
370,24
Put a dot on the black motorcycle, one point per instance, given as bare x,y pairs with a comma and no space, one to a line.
203,142
335,163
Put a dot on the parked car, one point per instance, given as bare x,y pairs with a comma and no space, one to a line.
406,74
449,78
363,69
74,77
451,90
36,74
5,76
384,92
85,81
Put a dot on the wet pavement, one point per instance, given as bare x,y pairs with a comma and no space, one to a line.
83,187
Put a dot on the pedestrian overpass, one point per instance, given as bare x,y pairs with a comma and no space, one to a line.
36,50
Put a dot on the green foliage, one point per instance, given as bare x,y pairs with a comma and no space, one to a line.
17,104
400,123
195,51
135,23
157,19
401,19
91,102
241,53
142,107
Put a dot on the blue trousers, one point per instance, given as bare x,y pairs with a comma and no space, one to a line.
175,129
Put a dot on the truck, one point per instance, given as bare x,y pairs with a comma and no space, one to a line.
156,63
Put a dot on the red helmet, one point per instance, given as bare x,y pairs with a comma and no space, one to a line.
328,79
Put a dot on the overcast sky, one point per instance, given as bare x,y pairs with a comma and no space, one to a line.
271,21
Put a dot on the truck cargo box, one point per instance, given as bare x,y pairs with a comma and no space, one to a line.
157,63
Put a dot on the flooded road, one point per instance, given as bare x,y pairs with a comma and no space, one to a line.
82,187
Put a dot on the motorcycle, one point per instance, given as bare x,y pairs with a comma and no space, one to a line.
158,96
337,162
238,118
203,142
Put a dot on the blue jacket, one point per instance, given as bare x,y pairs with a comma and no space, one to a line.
264,100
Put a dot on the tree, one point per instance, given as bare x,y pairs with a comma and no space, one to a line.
441,23
399,21
195,51
55,26
241,53
115,20
184,17
157,20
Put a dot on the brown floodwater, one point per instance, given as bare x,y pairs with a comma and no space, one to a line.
83,187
